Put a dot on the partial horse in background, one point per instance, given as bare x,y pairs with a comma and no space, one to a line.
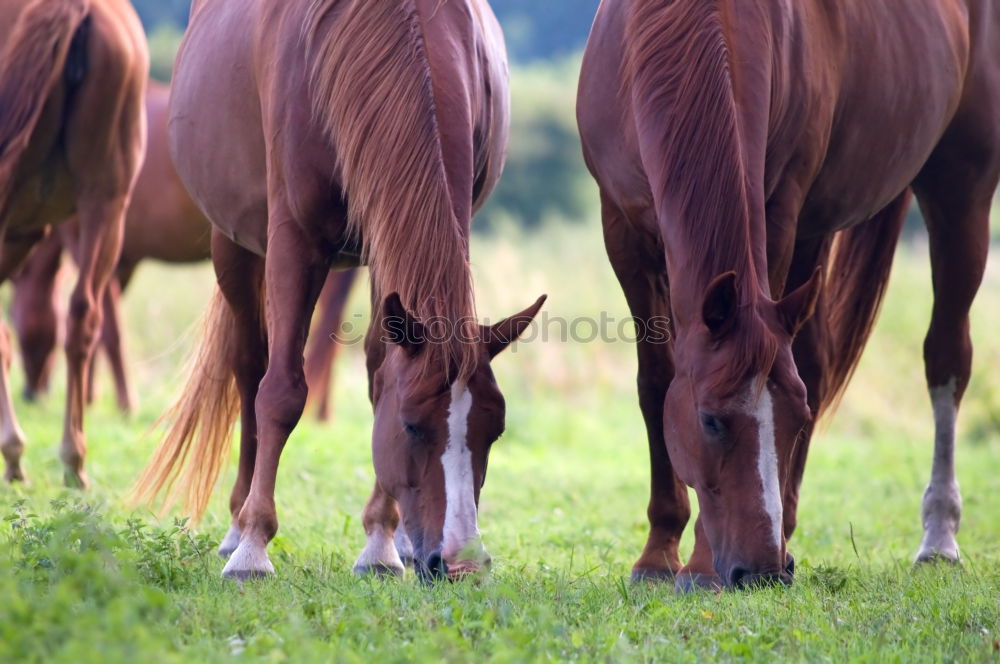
344,131
162,224
72,135
755,169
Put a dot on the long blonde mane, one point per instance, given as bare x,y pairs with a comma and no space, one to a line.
373,93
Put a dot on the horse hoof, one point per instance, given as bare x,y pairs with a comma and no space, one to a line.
248,561
379,570
686,583
14,475
651,575
242,575
936,557
76,480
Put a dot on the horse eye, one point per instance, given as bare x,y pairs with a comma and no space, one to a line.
413,431
712,425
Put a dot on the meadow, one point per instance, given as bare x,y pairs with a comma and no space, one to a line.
85,577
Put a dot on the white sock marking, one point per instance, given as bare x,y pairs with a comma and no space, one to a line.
460,525
942,505
230,541
767,464
379,552
250,557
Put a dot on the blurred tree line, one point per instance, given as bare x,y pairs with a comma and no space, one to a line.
545,178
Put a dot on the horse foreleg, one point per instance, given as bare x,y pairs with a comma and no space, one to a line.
381,556
240,275
642,275
101,226
294,274
809,350
958,223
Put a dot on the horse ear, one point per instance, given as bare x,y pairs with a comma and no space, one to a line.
718,311
498,337
798,306
400,327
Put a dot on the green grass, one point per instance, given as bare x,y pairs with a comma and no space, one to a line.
84,578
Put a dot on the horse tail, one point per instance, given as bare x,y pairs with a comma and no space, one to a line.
34,55
856,285
372,91
191,456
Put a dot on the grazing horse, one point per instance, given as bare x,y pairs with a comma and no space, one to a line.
163,224
332,132
755,160
72,135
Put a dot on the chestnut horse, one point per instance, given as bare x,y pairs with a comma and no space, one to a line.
754,169
72,135
163,224
332,132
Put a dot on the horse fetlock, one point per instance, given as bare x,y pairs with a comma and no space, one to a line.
72,458
942,514
942,506
12,447
229,542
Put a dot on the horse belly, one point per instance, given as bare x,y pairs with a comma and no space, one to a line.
216,136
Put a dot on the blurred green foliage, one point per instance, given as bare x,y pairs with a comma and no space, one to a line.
163,43
545,177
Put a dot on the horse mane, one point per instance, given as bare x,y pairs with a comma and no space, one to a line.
372,92
678,69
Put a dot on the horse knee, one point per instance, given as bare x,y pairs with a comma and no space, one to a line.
281,399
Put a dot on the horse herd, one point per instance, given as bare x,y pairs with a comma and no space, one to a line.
755,161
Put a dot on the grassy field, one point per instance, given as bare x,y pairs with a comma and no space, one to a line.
84,578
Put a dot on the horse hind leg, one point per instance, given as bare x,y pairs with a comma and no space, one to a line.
101,223
112,340
324,345
955,197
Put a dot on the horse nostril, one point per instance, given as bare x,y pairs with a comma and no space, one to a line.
433,569
738,577
790,564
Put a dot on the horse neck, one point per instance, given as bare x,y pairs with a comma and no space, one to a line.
678,65
373,87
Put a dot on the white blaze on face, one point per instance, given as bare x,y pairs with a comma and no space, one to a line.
460,525
767,463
